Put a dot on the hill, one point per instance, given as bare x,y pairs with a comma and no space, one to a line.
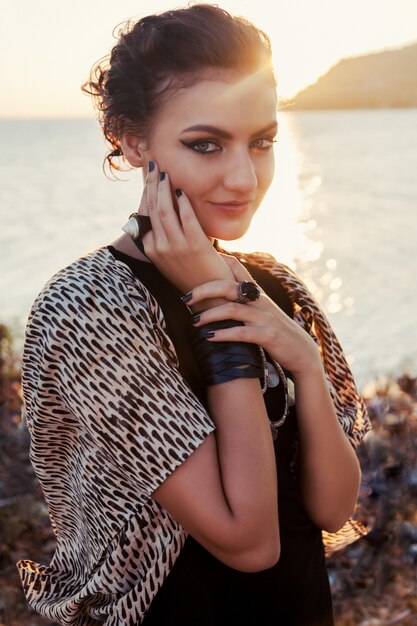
385,79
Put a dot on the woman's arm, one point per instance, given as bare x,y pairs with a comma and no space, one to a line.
330,473
329,469
225,493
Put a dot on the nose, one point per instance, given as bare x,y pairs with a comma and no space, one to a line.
240,174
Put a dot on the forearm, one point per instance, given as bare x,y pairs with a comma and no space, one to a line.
329,468
246,461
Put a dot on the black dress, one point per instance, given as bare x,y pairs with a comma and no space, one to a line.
202,591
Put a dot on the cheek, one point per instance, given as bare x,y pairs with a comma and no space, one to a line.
267,172
178,170
193,181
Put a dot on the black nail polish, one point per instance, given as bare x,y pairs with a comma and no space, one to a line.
178,193
186,298
209,333
196,318
162,176
151,166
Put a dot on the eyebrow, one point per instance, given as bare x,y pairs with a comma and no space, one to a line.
224,134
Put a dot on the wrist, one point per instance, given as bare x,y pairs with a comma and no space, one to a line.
311,365
224,361
192,279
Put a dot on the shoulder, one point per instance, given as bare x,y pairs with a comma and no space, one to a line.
94,284
96,273
292,283
95,301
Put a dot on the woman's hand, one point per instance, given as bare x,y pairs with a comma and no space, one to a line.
177,245
265,323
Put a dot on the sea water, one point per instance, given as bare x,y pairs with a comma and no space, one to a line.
342,211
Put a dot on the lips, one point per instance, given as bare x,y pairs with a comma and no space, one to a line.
233,206
239,202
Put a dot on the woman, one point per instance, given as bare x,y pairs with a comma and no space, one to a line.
182,491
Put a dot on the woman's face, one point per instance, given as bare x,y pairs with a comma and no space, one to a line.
215,141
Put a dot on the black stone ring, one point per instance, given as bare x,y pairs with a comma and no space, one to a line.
137,226
247,292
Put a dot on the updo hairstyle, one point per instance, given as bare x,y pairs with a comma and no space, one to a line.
162,53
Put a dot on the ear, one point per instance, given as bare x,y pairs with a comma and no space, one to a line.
134,149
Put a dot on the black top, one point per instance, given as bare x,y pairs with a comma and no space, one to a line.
202,591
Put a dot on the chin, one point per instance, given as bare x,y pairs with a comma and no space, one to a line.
228,232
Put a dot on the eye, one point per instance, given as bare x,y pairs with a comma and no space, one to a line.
203,147
263,143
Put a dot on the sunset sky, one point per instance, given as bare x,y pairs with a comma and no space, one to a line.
47,47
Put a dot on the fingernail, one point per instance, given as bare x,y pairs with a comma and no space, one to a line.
209,333
187,297
151,166
196,318
162,176
178,193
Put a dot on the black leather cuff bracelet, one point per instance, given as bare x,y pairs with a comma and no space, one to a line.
222,361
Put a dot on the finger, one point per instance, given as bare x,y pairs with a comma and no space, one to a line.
143,209
167,215
213,289
159,236
143,204
249,334
151,185
227,289
232,311
190,224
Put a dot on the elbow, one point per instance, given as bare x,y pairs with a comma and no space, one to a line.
337,519
333,526
257,559
263,559
334,523
332,515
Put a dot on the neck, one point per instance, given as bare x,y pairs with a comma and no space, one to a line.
125,244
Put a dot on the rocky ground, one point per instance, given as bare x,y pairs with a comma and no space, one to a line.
374,581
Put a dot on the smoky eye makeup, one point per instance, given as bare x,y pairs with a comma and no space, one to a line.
262,141
202,146
266,142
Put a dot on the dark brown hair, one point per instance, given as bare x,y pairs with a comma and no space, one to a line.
163,52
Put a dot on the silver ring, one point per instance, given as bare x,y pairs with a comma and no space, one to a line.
247,291
137,226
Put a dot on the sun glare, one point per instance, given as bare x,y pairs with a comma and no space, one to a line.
276,227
